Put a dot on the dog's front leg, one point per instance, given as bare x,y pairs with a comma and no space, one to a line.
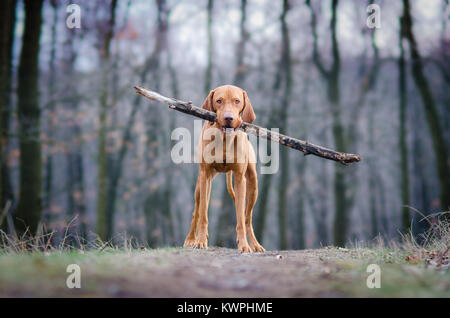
241,237
191,237
201,240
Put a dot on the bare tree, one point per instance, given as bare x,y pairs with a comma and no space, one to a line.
28,212
49,168
402,84
157,206
76,195
340,139
104,218
209,67
286,68
429,105
7,22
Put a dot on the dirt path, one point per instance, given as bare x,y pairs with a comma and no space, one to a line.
220,272
216,272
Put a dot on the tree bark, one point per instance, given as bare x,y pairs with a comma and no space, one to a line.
261,216
302,194
208,73
341,203
431,113
48,181
372,178
163,211
286,67
169,183
104,222
28,212
320,207
7,21
263,202
300,237
74,157
404,183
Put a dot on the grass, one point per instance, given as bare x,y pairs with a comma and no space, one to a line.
33,267
400,276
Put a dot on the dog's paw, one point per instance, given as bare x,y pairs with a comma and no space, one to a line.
189,242
201,243
256,247
244,248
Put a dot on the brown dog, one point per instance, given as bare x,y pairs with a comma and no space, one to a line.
237,156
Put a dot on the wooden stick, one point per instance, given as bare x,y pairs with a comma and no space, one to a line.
304,146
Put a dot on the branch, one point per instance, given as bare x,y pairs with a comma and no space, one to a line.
304,146
316,56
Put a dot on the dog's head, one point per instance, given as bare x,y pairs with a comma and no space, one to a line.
232,106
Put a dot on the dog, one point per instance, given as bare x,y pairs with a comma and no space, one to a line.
237,156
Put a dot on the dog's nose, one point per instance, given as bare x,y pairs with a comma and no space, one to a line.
228,117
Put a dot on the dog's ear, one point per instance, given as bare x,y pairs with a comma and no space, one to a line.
248,115
208,103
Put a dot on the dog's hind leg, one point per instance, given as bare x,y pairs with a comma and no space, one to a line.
251,194
190,238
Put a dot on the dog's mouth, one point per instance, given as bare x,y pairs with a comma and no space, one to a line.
228,130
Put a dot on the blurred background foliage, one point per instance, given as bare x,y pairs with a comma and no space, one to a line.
81,151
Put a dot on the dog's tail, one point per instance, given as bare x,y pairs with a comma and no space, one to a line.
230,185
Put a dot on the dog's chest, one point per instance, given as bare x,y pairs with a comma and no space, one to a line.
224,152
223,167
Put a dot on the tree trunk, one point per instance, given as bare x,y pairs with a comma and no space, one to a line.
162,211
150,218
340,184
302,194
421,191
261,216
76,196
104,219
368,81
28,212
169,184
7,22
403,145
301,242
372,178
263,202
322,211
283,120
208,73
48,182
431,113
340,140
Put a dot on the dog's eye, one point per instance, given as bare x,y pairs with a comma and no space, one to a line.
237,101
219,101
